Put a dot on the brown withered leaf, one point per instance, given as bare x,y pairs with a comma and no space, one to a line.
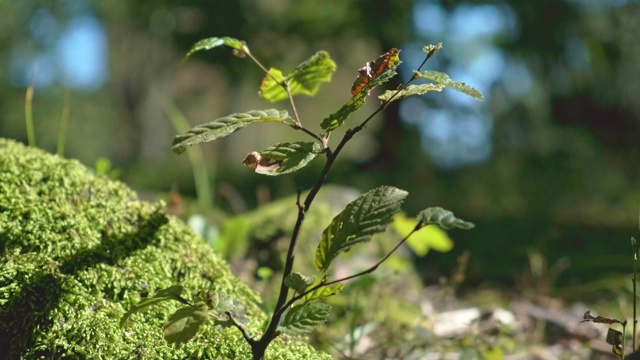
259,163
587,317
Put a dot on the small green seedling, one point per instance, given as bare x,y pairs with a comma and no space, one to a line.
298,309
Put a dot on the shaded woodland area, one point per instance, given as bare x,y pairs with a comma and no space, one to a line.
547,167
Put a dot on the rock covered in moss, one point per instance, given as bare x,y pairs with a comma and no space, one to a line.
78,250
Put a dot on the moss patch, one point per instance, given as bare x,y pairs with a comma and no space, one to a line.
78,250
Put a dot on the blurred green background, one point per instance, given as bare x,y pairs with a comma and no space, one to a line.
549,162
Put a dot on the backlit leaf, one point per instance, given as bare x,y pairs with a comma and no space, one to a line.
443,218
324,292
445,80
170,293
423,240
410,91
212,42
270,89
432,49
367,215
184,323
303,318
305,79
298,282
221,303
225,126
283,158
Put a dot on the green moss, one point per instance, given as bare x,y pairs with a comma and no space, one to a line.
79,250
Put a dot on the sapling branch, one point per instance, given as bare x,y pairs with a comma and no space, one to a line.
280,307
405,84
384,104
364,272
245,49
320,67
288,268
243,331
306,131
270,333
296,118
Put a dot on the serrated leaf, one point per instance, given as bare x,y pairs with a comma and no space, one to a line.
338,118
410,91
324,292
225,126
212,42
303,318
443,218
423,240
305,79
298,282
367,215
283,158
222,303
170,293
445,80
183,325
432,49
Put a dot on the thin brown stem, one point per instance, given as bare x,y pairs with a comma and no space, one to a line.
317,137
255,60
243,331
259,346
296,117
364,272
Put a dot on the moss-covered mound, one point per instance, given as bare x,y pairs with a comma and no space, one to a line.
78,250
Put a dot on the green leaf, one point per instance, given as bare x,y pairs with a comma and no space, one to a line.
338,118
445,80
303,318
283,158
270,89
221,303
410,91
184,323
432,49
170,293
212,42
324,292
225,126
443,218
305,79
426,238
298,282
367,215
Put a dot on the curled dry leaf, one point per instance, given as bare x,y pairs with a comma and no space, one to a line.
373,69
598,319
261,164
239,53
